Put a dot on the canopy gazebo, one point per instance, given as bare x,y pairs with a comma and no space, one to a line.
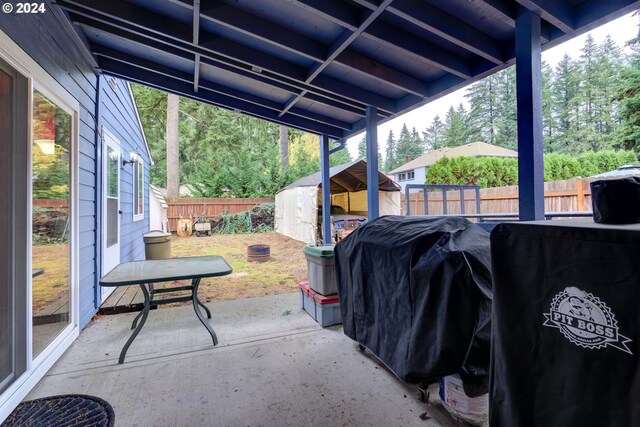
297,204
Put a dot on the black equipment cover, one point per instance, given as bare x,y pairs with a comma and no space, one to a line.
417,293
566,325
616,201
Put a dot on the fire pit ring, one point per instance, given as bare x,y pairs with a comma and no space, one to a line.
258,253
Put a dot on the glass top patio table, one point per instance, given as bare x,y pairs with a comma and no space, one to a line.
146,273
164,270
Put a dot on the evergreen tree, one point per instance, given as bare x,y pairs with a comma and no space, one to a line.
483,100
585,136
565,89
507,125
456,131
340,157
390,153
607,78
362,148
628,94
409,146
433,136
417,142
362,153
548,121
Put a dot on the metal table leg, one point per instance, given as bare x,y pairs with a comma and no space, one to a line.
145,313
135,321
195,283
203,306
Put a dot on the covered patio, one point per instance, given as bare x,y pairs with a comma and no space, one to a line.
273,366
337,68
329,67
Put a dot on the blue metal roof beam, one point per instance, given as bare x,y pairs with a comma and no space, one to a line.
556,12
388,75
316,96
168,84
110,55
452,29
256,27
339,45
196,38
119,13
276,35
380,31
585,12
507,12
433,55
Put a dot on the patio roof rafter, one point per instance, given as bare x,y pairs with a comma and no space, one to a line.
115,14
558,13
150,66
289,86
185,88
450,28
339,46
391,36
271,33
196,40
507,12
326,61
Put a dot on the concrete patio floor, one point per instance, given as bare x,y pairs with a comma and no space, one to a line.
273,366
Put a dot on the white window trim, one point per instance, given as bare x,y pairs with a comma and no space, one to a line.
40,80
413,177
139,163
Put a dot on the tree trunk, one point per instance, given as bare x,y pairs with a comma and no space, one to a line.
173,165
284,148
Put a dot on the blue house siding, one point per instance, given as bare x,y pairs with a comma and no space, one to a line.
44,38
47,38
118,115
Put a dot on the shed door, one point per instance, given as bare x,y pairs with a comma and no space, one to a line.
110,205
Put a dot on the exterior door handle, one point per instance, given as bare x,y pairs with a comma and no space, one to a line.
120,212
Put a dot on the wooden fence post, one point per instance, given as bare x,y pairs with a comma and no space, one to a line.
582,202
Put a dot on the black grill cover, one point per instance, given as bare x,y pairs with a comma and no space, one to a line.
417,293
616,201
566,325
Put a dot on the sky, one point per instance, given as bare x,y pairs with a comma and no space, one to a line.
621,30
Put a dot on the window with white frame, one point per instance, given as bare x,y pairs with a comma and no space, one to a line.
402,176
411,175
138,189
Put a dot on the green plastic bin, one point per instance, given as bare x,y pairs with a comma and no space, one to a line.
321,269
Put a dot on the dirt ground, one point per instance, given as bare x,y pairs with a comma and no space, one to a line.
280,274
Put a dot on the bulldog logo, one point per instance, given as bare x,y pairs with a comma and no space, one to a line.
585,320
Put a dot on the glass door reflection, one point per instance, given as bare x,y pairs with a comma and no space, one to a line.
50,255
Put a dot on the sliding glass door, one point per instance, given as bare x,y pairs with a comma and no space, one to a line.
50,253
13,208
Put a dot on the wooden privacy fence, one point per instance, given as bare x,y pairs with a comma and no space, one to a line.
572,195
195,207
51,203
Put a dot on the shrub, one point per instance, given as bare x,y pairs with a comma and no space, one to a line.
498,172
481,171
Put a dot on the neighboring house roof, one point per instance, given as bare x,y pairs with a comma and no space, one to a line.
475,149
349,177
159,196
185,190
